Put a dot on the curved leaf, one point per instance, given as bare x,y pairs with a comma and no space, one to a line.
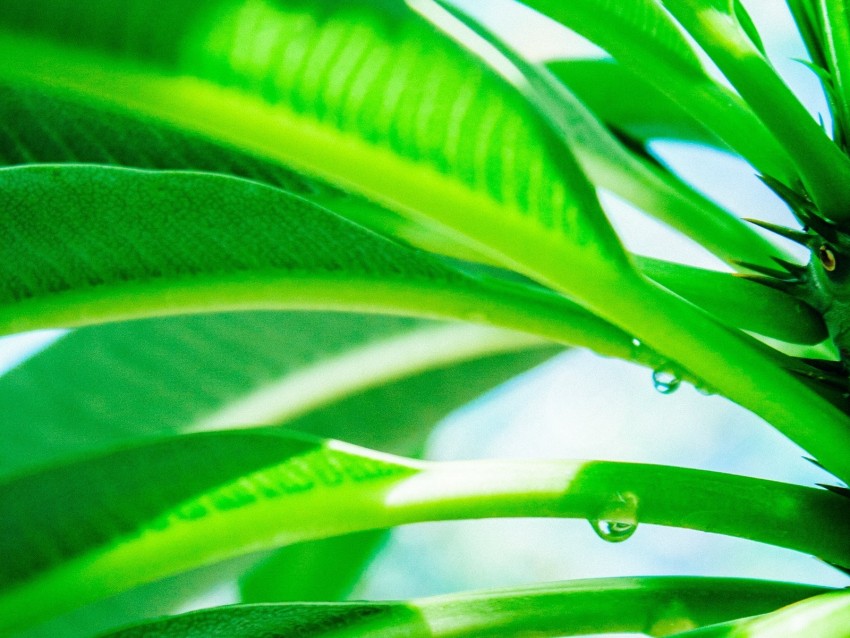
636,35
56,127
824,616
290,101
608,163
648,113
650,604
96,244
287,99
113,384
739,302
77,532
822,166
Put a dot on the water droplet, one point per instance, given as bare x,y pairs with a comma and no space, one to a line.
636,342
665,381
704,390
617,520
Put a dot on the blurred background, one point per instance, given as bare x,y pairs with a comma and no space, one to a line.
583,406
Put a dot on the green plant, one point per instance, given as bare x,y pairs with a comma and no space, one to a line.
180,178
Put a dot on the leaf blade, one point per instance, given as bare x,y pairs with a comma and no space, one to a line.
158,514
555,609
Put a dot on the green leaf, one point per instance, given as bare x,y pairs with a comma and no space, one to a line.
807,20
115,383
156,243
402,152
822,166
649,604
638,35
326,570
696,345
738,302
54,126
112,384
748,26
77,532
824,616
608,163
835,43
648,113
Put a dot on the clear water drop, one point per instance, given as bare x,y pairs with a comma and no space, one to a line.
617,520
636,342
665,381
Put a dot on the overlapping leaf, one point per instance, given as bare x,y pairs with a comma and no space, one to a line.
822,167
645,39
365,126
76,532
652,605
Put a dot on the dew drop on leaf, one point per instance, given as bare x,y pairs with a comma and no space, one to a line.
618,519
665,381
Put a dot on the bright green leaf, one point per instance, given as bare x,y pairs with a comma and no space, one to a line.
647,114
823,168
824,616
638,36
650,604
77,532
610,164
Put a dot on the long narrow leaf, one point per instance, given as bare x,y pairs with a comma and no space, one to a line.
182,242
81,531
637,35
646,114
836,47
650,604
738,302
823,168
610,165
824,616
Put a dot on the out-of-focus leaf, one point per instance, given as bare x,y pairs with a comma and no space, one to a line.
609,163
325,570
824,616
649,604
639,36
625,102
821,165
